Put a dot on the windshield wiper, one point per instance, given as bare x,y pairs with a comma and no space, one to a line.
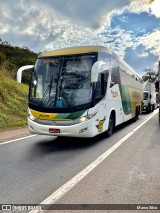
48,91
59,82
50,86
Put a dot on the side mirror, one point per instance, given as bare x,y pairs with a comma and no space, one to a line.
20,70
98,67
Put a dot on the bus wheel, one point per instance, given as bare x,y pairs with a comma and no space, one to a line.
109,132
147,110
136,115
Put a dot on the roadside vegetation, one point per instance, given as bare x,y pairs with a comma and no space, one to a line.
13,96
13,101
12,58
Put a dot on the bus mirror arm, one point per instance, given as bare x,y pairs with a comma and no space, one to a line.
20,70
98,67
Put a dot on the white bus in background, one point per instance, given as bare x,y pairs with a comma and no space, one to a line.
149,97
81,92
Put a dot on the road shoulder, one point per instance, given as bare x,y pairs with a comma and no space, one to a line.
13,133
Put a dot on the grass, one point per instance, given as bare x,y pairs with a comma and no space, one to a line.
13,101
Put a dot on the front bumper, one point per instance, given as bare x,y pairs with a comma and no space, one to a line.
84,129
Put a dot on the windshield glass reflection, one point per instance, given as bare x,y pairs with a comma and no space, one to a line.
62,82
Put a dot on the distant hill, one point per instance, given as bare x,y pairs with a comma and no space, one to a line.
12,58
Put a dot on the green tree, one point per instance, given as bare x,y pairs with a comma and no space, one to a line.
150,75
12,58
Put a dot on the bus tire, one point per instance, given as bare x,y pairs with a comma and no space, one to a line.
109,132
136,115
147,110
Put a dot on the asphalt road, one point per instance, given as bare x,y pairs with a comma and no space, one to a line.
130,175
32,169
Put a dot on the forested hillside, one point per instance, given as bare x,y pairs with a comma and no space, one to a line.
13,102
12,58
13,96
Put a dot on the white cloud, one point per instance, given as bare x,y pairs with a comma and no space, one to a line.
54,24
43,24
143,54
155,8
151,42
138,6
150,6
133,6
86,13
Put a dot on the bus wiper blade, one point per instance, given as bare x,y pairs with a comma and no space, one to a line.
50,86
48,91
59,82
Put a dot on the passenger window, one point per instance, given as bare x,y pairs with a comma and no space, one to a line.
115,78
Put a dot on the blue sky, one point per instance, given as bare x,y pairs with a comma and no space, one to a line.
138,24
131,28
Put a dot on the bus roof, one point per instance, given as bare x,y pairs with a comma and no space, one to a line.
74,50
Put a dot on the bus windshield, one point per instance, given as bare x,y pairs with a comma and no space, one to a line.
62,82
145,95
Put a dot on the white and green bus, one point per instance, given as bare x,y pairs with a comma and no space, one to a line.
81,92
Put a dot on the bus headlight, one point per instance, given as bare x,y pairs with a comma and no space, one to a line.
87,117
30,116
83,119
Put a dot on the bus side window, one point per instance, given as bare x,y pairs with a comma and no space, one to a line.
115,79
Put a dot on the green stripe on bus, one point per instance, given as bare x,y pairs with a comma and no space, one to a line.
126,102
73,115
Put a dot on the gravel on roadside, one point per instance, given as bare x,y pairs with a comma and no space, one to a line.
13,133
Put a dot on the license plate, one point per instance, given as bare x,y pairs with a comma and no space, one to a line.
54,130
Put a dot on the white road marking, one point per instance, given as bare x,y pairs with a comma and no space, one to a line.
53,198
18,139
